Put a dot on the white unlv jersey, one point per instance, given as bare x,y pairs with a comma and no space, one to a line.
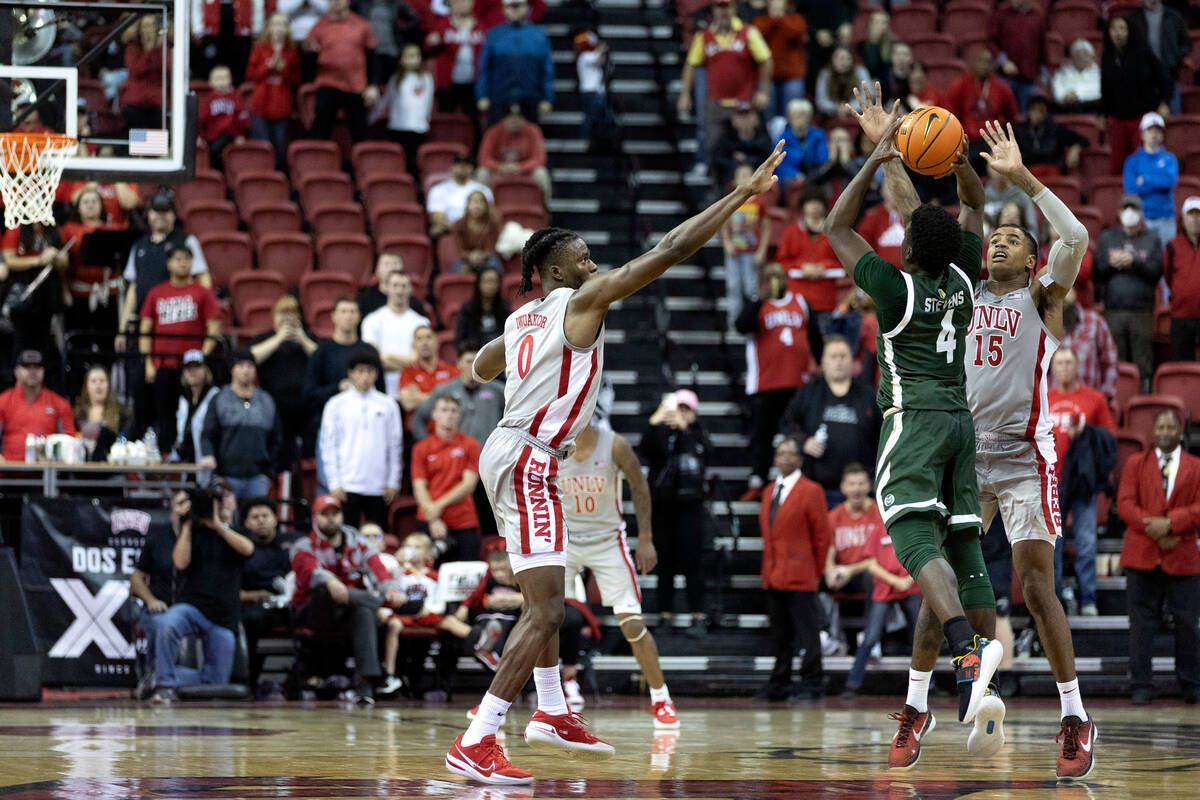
551,385
591,492
1007,363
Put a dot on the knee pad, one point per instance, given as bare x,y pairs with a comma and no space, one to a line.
965,555
915,539
633,629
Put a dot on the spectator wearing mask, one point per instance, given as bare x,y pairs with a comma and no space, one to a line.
515,67
1159,501
1181,270
390,330
371,297
475,236
836,83
445,472
1128,266
805,144
242,434
812,267
482,404
1018,37
263,594
1076,85
274,69
142,92
746,237
446,200
1130,87
282,358
178,315
407,104
454,43
482,318
738,68
876,50
979,95
426,373
332,564
362,444
1152,174
154,582
1074,408
31,408
741,141
853,523
223,119
514,146
1087,334
1167,36
796,538
344,44
675,450
778,353
209,557
786,35
835,420
1046,146
99,416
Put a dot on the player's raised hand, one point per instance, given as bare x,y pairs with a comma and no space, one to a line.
764,177
873,118
1005,157
885,146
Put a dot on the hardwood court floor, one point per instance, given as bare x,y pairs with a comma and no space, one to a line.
117,751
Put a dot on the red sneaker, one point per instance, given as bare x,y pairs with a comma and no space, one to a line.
566,732
665,718
906,744
1077,759
485,762
488,658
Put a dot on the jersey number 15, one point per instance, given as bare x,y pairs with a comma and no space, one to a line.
995,353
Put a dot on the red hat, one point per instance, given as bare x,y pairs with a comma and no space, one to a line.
326,501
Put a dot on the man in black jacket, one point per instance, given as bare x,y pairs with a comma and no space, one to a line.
265,605
836,420
1045,141
329,364
242,434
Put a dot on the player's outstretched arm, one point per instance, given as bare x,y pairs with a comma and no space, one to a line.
970,196
874,120
839,225
489,361
597,294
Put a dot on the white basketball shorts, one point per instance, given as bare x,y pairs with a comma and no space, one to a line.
608,558
520,478
1019,481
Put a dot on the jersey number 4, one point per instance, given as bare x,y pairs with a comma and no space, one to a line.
946,341
995,352
525,355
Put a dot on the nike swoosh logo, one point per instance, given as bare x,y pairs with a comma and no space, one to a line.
932,118
1087,746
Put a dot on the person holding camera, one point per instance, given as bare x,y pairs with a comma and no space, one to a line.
675,449
209,557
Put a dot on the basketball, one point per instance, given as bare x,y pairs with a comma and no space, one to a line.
929,139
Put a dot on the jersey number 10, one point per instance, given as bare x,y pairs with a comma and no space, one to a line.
585,505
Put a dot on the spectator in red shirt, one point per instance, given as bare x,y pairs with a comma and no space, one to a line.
514,146
883,228
977,96
274,69
795,534
29,407
1017,36
93,291
1181,270
425,374
812,266
177,316
1074,408
1088,335
223,120
141,96
445,469
344,43
853,524
786,34
454,43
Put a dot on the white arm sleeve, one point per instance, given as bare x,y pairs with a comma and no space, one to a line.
1066,254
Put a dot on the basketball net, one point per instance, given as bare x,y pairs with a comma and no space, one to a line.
32,166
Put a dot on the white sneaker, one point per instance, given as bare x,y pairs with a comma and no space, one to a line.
390,686
1090,610
574,696
987,737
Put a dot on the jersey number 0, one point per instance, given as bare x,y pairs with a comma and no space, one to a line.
525,355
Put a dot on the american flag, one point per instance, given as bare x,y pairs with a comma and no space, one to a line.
144,142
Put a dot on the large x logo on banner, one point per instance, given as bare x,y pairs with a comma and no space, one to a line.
93,619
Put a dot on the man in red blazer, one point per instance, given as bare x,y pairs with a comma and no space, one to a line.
795,533
1159,501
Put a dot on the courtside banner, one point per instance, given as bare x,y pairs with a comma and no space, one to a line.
77,555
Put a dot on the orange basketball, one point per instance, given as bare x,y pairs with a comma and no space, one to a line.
929,139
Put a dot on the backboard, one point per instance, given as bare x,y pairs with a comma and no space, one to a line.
64,68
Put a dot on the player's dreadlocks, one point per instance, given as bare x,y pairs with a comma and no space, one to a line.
935,238
540,248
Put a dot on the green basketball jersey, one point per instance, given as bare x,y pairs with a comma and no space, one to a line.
922,327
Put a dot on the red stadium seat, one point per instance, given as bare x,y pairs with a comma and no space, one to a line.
455,128
1183,131
207,185
416,252
388,189
338,218
1066,187
780,219
438,156
1104,193
447,253
227,254
943,71
320,320
1128,443
210,217
253,189
446,349
1141,411
1189,164
346,254
323,189
288,255
1180,379
252,155
377,159
962,20
202,154
1070,18
1086,125
322,289
1056,50
254,286
510,287
1095,162
450,292
1093,219
1188,185
516,190
1129,383
1190,100
532,217
255,318
913,19
274,218
399,218
306,156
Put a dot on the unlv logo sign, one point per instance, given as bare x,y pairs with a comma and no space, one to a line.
93,619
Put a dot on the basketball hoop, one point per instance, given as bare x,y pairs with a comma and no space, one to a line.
32,166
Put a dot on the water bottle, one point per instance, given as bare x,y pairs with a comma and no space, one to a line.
822,434
151,442
30,448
